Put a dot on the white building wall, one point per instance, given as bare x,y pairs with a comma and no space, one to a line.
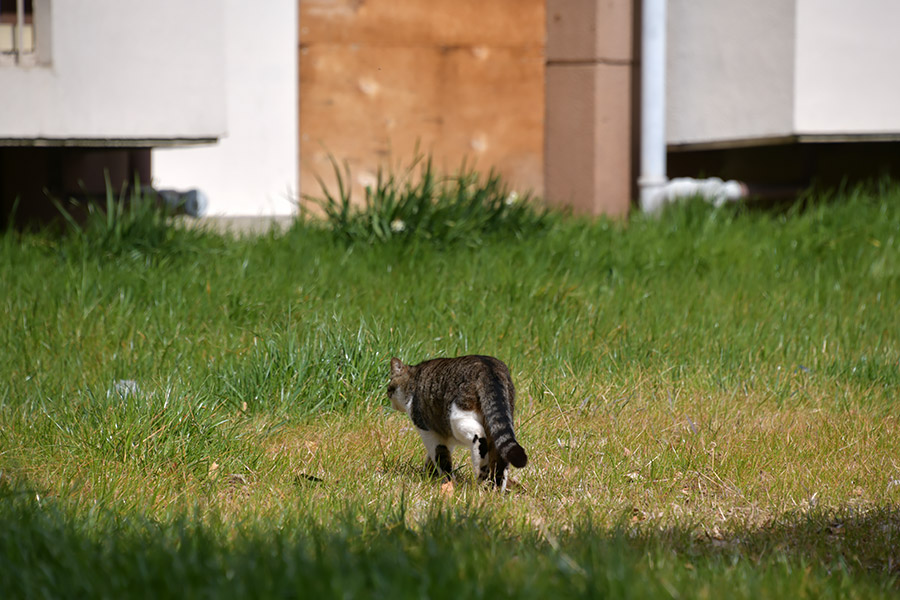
743,72
126,70
848,67
730,69
253,169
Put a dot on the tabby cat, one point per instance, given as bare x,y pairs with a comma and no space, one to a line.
463,401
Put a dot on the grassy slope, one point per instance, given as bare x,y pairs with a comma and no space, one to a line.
709,400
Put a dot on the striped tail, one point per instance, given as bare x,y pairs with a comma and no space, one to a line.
498,420
515,455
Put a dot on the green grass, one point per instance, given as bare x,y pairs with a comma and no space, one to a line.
708,400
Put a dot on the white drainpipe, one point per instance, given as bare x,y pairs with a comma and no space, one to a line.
655,187
653,104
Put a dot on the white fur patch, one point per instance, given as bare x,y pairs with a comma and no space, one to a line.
431,441
467,427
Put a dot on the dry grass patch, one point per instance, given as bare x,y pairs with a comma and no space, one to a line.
649,464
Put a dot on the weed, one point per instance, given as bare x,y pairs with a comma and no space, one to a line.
128,223
462,208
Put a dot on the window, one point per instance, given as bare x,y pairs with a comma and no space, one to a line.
23,38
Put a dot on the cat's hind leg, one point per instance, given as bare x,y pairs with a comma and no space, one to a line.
499,473
468,431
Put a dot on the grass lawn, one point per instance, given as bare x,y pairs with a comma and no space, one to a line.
709,401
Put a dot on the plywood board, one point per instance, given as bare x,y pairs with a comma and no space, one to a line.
377,83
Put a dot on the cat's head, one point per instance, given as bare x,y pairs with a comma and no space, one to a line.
397,388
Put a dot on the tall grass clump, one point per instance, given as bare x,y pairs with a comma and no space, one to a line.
131,222
421,203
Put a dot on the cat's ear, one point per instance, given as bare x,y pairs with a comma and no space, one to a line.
396,367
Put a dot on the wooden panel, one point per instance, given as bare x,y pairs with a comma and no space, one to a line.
423,22
377,78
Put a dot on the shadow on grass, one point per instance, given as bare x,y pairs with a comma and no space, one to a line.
53,550
852,539
421,470
414,469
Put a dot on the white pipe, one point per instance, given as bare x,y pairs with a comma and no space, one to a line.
655,188
712,189
653,104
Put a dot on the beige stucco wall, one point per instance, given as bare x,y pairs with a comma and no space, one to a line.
122,70
588,158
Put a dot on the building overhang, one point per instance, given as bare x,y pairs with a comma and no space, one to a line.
783,140
93,142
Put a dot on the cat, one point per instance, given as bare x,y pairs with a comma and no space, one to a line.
463,401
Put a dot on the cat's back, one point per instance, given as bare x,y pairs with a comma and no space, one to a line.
462,378
461,368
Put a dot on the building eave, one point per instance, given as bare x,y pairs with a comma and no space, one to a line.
93,142
781,140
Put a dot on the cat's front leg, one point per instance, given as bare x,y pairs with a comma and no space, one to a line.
438,454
